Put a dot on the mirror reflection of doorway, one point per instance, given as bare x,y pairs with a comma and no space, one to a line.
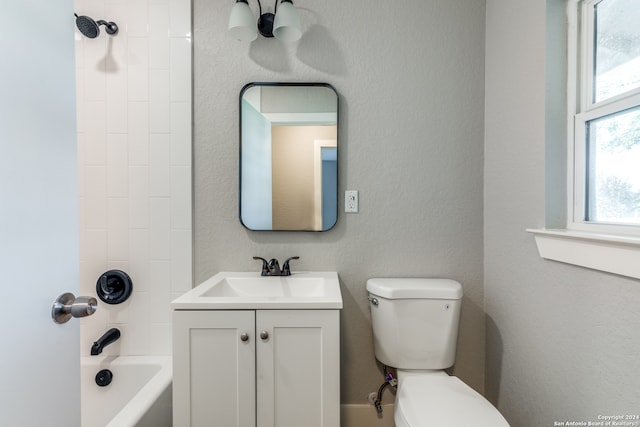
329,186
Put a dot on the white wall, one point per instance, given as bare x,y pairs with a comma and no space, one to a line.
561,340
410,79
134,145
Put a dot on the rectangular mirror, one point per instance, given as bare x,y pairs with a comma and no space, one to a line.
288,156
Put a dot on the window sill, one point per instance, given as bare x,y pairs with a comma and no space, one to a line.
613,254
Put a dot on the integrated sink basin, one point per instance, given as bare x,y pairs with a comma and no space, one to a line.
241,290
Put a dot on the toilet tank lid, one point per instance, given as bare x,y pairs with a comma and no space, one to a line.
404,288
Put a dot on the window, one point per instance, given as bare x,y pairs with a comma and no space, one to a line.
603,88
606,137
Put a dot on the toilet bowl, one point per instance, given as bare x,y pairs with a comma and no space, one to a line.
437,399
415,328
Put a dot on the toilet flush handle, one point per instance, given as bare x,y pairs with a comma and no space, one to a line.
373,300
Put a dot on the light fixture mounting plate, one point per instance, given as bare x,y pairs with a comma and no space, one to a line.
265,24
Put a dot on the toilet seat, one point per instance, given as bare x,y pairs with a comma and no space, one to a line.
430,399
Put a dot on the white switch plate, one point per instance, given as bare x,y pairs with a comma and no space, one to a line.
351,201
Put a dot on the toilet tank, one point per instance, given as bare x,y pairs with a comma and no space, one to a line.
415,321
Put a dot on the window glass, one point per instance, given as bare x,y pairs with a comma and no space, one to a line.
617,48
613,193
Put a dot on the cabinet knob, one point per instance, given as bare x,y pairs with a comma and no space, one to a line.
264,335
244,337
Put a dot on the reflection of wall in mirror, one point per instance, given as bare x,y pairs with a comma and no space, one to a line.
295,165
256,169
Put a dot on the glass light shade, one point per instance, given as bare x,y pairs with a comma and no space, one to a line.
286,26
242,24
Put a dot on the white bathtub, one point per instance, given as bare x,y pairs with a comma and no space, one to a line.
139,394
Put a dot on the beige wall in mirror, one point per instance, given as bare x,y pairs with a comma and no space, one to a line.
297,175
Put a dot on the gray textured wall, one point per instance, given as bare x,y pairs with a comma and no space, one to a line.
411,83
562,341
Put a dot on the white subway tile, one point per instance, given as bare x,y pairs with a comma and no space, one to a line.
160,228
138,197
94,67
160,291
93,248
95,136
159,53
137,18
181,133
138,52
117,314
160,307
115,264
138,88
158,20
159,116
117,102
181,70
138,135
139,269
95,200
138,69
181,256
160,165
117,165
160,339
180,18
160,101
118,228
139,324
180,197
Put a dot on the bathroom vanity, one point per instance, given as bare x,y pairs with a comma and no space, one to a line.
253,351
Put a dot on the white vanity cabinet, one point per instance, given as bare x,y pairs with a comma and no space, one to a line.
256,368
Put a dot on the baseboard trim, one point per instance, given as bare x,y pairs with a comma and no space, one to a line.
366,416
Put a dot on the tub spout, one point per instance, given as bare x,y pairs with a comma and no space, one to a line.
109,337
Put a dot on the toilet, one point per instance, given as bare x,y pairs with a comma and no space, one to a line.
415,328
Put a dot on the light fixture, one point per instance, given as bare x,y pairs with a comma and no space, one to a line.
284,23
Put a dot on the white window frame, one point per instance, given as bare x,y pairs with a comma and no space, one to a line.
583,109
612,248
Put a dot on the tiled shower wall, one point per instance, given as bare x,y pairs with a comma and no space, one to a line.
134,150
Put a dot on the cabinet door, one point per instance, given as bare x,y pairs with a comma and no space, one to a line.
213,368
298,368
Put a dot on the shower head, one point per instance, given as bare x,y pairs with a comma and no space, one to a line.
87,26
91,29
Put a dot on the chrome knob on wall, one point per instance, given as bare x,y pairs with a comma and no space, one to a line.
67,306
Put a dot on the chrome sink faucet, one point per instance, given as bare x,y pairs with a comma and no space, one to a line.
272,267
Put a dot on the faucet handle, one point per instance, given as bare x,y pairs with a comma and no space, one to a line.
265,266
286,270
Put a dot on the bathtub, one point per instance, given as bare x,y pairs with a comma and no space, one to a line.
139,394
